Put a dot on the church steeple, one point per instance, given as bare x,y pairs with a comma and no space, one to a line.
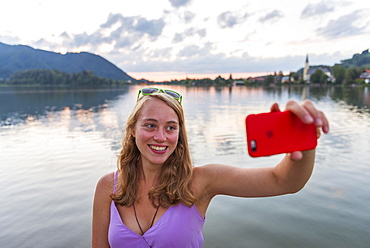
305,70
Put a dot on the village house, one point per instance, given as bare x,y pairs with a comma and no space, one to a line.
238,82
366,76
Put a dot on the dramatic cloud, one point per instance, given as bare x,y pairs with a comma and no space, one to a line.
343,26
271,16
179,3
185,36
317,9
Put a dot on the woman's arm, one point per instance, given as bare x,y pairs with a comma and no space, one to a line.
101,211
288,176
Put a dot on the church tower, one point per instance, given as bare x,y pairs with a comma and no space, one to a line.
305,70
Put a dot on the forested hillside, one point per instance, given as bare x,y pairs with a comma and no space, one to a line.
20,58
42,77
358,60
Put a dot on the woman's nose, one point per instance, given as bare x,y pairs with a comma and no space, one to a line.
160,136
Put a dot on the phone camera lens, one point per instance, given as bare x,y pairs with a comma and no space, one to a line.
253,145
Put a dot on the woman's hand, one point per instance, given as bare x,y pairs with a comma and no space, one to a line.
308,113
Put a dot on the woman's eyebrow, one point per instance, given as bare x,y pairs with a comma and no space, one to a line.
155,120
149,119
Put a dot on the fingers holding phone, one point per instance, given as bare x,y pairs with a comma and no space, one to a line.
308,113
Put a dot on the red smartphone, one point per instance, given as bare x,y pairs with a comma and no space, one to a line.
278,132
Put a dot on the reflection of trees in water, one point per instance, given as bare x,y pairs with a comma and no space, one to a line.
358,98
77,111
18,104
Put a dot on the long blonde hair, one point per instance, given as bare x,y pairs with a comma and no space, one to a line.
175,176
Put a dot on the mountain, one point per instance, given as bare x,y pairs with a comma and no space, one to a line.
15,58
358,60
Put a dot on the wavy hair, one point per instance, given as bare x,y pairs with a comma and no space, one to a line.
176,173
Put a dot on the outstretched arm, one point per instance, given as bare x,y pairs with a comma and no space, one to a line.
288,176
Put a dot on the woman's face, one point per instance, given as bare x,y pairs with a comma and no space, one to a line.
156,132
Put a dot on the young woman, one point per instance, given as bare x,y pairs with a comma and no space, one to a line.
157,198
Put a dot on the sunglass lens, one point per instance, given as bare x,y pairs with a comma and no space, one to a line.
173,94
149,90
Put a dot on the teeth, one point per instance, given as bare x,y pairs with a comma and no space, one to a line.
158,148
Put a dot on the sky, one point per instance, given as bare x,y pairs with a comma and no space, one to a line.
174,39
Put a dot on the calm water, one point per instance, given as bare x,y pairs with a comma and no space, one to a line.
55,144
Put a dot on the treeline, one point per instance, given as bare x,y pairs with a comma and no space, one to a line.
219,81
341,75
55,77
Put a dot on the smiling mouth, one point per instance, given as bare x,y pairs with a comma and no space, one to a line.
158,148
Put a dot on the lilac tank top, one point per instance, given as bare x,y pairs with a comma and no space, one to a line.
180,226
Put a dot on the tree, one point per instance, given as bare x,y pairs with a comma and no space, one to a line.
220,80
318,77
55,77
339,72
270,79
351,75
293,76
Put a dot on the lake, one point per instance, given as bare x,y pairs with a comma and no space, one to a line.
56,143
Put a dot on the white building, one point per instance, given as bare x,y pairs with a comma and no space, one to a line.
308,71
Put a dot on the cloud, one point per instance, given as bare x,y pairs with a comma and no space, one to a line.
179,37
65,35
230,19
276,14
119,30
317,9
195,51
161,53
9,39
227,20
179,3
135,24
153,27
343,26
188,16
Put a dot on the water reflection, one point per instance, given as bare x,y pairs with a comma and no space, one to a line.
105,110
56,144
16,104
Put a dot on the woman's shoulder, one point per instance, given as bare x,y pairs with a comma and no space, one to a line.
201,176
106,183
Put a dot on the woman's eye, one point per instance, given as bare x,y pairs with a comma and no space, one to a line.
171,128
150,125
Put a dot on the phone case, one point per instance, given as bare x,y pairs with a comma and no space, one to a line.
278,132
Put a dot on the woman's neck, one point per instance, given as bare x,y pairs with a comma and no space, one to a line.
149,174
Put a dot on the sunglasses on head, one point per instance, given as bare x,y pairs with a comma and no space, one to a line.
149,91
